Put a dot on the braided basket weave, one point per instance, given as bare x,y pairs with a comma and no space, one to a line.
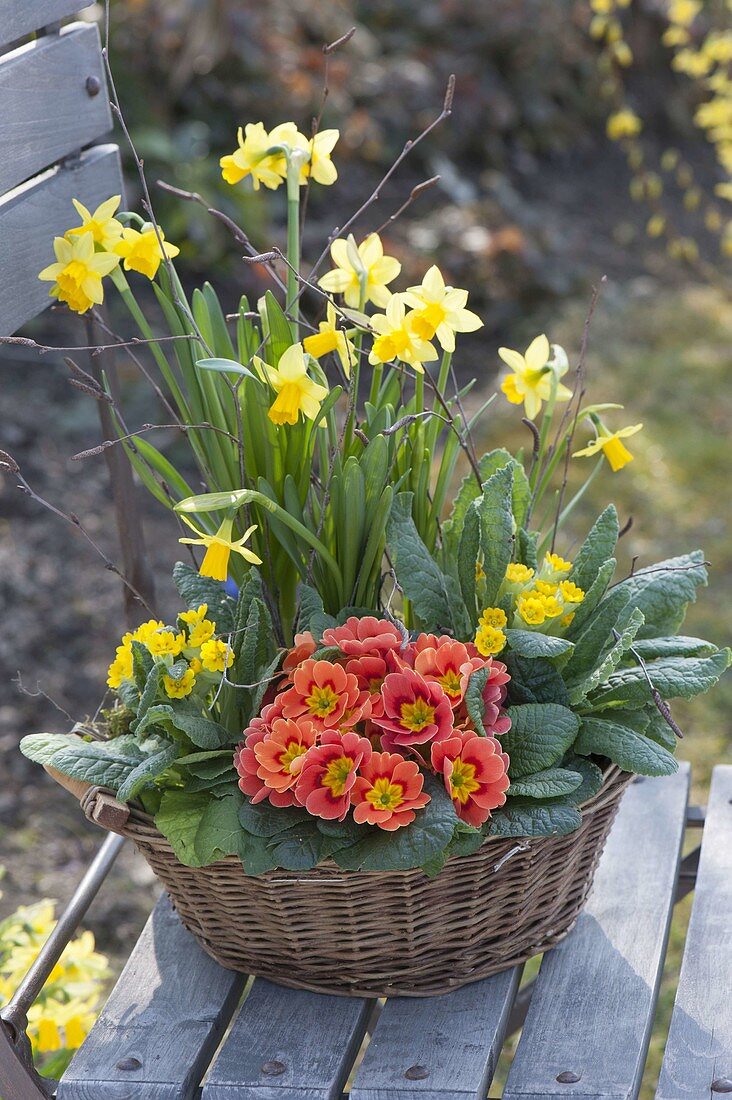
379,933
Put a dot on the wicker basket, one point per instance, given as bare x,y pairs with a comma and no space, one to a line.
378,934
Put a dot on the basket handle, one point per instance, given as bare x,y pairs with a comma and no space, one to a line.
98,803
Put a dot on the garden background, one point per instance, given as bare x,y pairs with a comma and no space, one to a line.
535,204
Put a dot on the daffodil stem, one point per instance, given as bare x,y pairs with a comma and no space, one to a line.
355,371
293,243
549,538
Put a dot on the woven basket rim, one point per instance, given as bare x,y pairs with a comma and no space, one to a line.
132,821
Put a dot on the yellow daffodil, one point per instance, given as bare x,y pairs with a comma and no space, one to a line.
611,445
78,272
361,269
320,167
623,124
296,391
102,224
252,158
141,250
216,655
489,640
439,310
397,339
531,381
219,548
331,338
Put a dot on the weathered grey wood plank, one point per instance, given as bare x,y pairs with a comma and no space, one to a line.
32,215
699,1048
46,111
20,17
587,1030
444,1047
289,1043
159,1029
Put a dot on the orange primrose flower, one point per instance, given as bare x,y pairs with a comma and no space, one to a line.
449,664
415,710
387,791
326,694
358,637
475,772
329,772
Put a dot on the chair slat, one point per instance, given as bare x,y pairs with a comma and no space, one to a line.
443,1047
159,1029
20,17
289,1043
699,1048
46,111
32,215
587,1030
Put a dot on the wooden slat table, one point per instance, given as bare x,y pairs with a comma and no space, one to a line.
585,1034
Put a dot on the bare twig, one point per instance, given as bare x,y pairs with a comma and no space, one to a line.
40,694
93,349
413,195
660,703
184,428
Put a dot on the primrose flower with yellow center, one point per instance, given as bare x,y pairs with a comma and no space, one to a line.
531,610
296,392
439,310
78,272
623,124
516,573
216,655
329,338
329,773
220,547
387,791
121,667
164,643
554,566
141,250
200,629
489,640
571,593
180,688
102,224
362,274
611,445
493,616
397,339
253,158
534,376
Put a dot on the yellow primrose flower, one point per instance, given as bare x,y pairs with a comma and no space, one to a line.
516,573
555,564
331,338
479,571
219,548
623,124
531,381
195,616
145,631
439,310
489,640
120,668
365,264
531,609
493,616
78,272
612,446
141,250
252,158
102,224
296,391
546,589
571,593
216,655
164,643
397,339
179,689
201,633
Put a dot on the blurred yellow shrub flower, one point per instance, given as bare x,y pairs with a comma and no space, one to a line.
623,124
78,272
439,310
362,274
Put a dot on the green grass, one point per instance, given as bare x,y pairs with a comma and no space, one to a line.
667,356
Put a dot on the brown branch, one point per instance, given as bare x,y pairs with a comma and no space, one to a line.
184,428
413,195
